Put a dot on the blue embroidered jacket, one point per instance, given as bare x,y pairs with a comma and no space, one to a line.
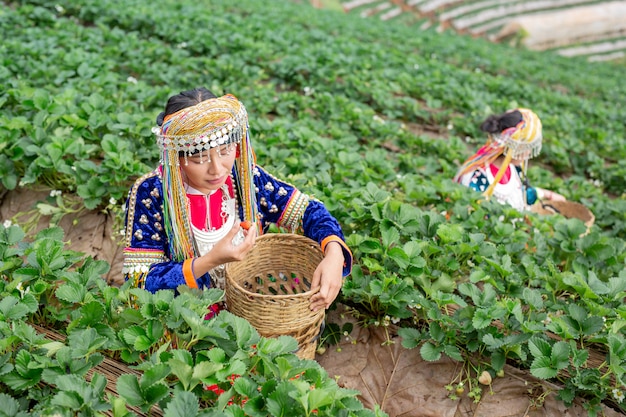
146,256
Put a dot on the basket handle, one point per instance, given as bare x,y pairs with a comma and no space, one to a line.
315,290
551,207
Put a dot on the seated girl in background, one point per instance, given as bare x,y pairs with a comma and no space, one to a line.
499,167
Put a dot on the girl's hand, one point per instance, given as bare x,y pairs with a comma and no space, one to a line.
550,195
328,277
555,196
225,251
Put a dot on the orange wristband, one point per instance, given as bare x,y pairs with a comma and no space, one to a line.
190,279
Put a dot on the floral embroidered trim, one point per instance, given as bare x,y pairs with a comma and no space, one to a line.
132,201
137,264
291,218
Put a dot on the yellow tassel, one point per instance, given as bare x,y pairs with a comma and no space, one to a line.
507,160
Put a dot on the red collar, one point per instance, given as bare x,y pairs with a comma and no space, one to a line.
507,174
200,211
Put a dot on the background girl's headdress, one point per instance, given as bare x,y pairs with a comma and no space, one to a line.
520,142
524,140
197,129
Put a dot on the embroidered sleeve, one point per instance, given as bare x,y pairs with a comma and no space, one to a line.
476,180
292,215
137,263
146,257
321,226
279,202
283,204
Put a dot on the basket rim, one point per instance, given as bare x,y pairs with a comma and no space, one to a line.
540,205
268,236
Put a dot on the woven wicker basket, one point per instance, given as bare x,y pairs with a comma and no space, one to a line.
568,209
271,288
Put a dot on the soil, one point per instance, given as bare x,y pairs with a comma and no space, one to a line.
396,379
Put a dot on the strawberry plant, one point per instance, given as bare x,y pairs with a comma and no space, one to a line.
179,358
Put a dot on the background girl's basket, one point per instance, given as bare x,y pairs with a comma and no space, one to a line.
568,209
271,288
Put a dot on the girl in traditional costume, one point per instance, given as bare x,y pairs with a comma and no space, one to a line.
184,220
499,167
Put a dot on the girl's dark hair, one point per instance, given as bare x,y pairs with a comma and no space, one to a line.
183,100
500,122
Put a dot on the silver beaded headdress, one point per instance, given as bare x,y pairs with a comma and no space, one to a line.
207,125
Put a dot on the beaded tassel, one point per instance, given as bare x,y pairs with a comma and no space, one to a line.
244,166
507,160
177,223
484,156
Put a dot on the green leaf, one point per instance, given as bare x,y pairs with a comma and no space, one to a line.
143,343
10,407
96,101
542,368
118,406
453,352
71,292
390,236
17,382
205,369
216,355
320,397
491,342
245,386
25,374
371,245
12,309
68,400
183,404
567,395
155,393
533,298
92,313
597,286
127,386
156,373
430,352
498,360
617,287
277,346
539,347
560,355
411,337
482,318
436,332
52,347
85,342
183,371
14,234
399,257
281,402
132,333
479,275
182,356
579,357
577,312
27,333
450,233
